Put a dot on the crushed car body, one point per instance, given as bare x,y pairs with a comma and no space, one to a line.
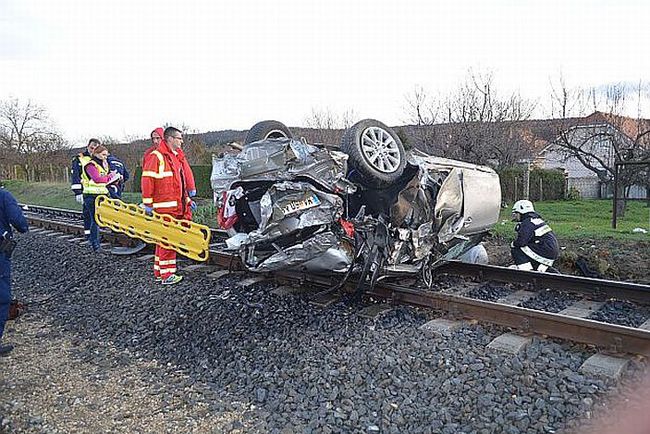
367,206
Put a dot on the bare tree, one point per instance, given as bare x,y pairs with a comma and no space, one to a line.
606,137
26,133
567,101
484,124
421,109
348,118
422,112
473,123
325,125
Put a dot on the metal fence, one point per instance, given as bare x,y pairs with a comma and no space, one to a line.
48,172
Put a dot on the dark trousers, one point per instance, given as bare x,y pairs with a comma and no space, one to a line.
87,218
93,235
5,291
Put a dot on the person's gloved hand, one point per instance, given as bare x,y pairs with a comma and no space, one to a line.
192,193
147,209
79,198
193,205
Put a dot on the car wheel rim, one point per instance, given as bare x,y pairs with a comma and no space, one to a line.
380,150
275,134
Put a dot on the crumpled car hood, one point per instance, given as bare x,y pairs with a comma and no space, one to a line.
282,159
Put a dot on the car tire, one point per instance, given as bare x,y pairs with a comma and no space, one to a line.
375,152
267,130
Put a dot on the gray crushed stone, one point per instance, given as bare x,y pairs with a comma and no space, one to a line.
551,301
490,291
127,354
622,313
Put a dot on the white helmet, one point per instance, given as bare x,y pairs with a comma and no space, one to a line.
523,207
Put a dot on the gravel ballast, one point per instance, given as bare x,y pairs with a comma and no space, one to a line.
104,348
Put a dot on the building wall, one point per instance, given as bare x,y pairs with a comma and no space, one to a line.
589,187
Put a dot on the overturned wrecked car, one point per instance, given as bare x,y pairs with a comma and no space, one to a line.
366,206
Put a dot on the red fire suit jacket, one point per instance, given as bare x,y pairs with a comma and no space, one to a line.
166,182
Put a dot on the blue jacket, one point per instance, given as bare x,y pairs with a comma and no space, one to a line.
533,232
11,214
75,171
115,190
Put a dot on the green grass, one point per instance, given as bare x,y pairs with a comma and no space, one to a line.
585,219
60,196
52,194
569,219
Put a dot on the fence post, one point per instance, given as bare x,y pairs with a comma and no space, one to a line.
65,175
527,181
615,201
516,198
541,192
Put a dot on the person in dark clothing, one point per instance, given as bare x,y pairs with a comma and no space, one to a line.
10,216
76,184
535,247
116,189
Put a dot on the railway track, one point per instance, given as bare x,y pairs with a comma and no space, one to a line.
580,320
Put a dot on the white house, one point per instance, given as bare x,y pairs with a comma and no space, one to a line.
597,139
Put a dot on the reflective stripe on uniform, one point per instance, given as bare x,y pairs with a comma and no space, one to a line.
75,186
170,270
147,200
161,168
170,262
542,230
157,175
532,255
169,204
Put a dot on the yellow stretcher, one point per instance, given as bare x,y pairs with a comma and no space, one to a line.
185,237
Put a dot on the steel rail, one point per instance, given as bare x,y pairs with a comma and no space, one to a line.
594,287
48,210
612,337
609,336
76,229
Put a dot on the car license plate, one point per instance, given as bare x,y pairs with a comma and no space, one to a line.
299,205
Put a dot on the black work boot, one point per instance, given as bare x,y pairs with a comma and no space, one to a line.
5,350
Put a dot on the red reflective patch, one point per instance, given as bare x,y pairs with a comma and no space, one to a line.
348,227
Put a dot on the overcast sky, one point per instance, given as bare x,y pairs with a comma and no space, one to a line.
122,67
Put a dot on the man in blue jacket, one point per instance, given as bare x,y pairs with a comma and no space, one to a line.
10,215
116,189
535,247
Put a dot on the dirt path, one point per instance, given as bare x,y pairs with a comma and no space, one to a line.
613,259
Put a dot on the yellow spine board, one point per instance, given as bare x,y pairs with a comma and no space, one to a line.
185,237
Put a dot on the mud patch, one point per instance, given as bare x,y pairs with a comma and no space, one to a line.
613,259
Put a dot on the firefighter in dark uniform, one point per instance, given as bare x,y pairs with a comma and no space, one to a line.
535,247
116,165
10,215
78,162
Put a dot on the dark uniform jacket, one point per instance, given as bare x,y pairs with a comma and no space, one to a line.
75,171
10,214
534,233
115,164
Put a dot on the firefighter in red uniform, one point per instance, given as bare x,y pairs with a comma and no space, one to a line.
167,188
